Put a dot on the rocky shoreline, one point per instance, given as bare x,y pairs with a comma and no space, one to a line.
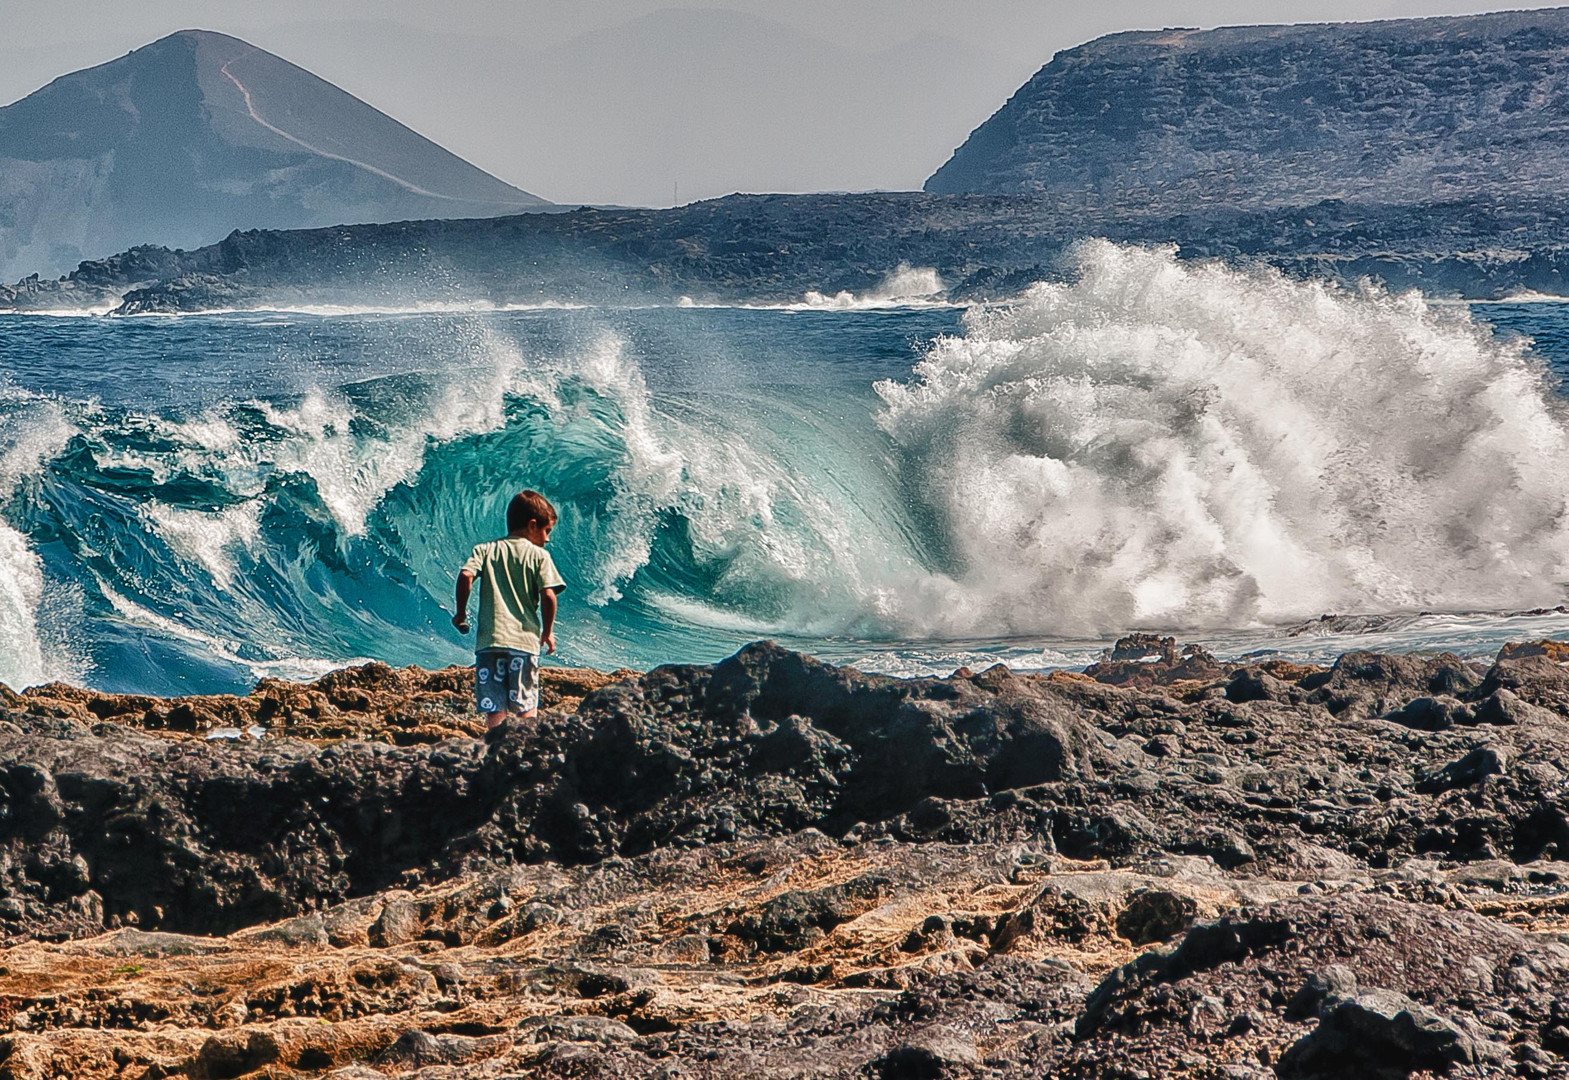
766,248
771,867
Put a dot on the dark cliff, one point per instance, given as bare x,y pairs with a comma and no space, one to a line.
1398,112
749,247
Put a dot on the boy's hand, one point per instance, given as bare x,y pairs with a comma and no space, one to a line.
461,622
548,640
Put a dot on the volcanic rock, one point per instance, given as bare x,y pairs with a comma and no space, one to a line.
1390,111
774,866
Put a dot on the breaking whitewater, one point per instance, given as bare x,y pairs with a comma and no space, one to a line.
190,503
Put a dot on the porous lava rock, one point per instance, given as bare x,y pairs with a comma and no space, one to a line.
773,866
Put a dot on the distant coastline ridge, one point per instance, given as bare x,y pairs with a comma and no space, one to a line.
1419,153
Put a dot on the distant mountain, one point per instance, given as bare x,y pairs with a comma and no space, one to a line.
199,133
1396,112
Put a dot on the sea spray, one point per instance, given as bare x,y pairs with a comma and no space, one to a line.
905,285
21,590
32,430
698,500
1161,443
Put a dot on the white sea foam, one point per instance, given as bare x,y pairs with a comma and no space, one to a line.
1524,296
686,611
910,660
222,648
336,311
650,477
210,432
32,430
1170,444
906,286
62,313
354,471
21,590
209,537
909,282
1472,636
430,307
772,543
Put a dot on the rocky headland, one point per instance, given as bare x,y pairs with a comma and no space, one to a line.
752,248
1401,111
772,867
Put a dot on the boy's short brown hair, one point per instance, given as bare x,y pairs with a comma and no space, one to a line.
527,506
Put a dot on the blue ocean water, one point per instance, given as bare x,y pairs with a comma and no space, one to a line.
190,503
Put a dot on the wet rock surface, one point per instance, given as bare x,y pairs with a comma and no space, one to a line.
1167,866
402,706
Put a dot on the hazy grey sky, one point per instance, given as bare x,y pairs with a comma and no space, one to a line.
622,100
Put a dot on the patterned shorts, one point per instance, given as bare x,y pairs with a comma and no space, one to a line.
506,680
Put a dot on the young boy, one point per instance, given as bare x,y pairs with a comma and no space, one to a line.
517,610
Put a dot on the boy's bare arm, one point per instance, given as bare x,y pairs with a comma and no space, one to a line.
465,583
547,620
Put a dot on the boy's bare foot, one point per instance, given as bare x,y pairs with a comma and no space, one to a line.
523,723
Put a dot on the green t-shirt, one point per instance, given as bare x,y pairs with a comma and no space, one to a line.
512,574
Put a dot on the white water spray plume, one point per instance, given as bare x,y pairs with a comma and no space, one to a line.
1172,444
22,447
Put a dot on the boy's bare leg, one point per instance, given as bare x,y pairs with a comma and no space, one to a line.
493,720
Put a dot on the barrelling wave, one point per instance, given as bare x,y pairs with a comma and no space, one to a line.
1152,443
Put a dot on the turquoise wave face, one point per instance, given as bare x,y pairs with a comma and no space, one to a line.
719,475
189,504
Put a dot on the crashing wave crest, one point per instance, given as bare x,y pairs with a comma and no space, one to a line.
1171,444
37,433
